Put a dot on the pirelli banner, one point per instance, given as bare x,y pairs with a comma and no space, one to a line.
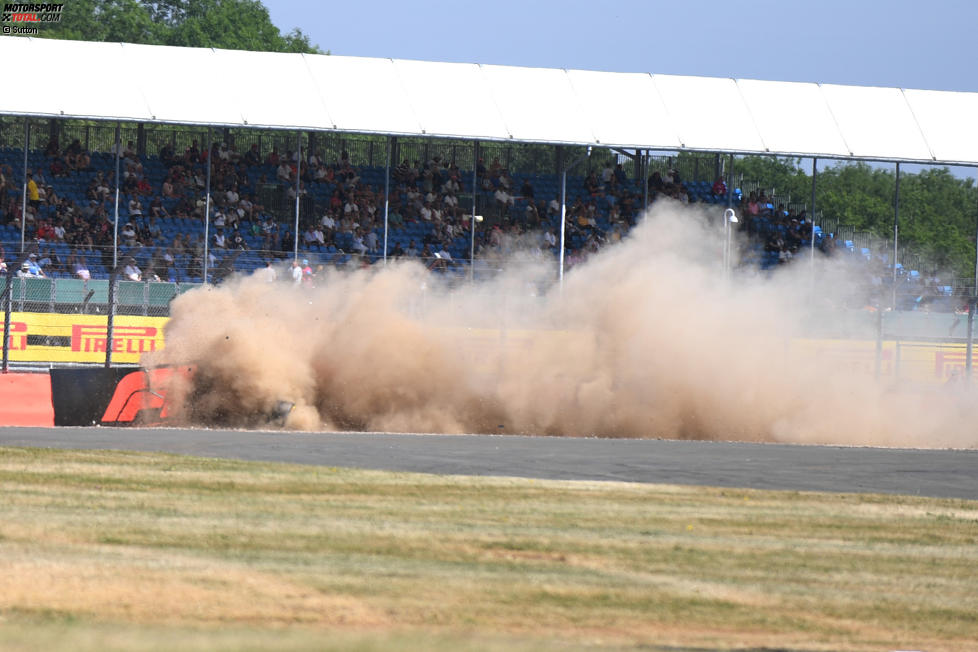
46,337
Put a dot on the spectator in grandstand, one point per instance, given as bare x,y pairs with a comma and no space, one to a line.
656,183
371,239
58,168
25,271
550,239
309,237
220,240
52,148
269,232
191,155
503,199
33,197
128,234
34,269
328,222
238,240
288,241
268,272
358,242
135,207
45,232
719,187
320,237
167,156
764,204
150,274
591,184
80,269
751,207
283,172
179,245
252,157
157,210
619,178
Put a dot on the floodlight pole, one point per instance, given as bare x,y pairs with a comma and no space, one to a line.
730,182
387,192
23,202
115,226
475,186
207,205
729,217
563,210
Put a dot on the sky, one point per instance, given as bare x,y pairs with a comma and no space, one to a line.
928,45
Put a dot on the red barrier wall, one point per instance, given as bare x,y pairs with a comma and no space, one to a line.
25,400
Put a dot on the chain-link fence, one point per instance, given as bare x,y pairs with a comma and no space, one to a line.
91,297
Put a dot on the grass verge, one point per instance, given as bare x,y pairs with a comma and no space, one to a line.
135,551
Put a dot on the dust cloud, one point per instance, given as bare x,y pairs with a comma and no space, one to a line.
646,339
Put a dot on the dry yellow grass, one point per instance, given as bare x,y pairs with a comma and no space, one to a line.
104,550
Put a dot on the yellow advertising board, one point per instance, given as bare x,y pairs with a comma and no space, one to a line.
928,362
47,337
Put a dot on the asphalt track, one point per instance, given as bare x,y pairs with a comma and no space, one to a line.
935,473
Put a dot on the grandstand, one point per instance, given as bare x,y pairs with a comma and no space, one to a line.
669,114
252,252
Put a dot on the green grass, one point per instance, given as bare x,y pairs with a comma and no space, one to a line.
111,550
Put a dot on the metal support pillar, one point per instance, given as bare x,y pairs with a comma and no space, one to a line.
730,182
115,218
811,219
563,221
110,322
387,193
207,206
298,180
896,234
23,202
972,306
645,182
7,299
475,194
563,209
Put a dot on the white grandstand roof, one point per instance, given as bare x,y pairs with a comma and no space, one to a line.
230,88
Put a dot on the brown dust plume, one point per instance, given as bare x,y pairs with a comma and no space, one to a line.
646,339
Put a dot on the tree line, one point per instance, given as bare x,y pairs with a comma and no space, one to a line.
938,210
226,24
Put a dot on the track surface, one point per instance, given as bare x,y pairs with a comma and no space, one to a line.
936,473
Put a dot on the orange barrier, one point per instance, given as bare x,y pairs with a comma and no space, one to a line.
25,400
